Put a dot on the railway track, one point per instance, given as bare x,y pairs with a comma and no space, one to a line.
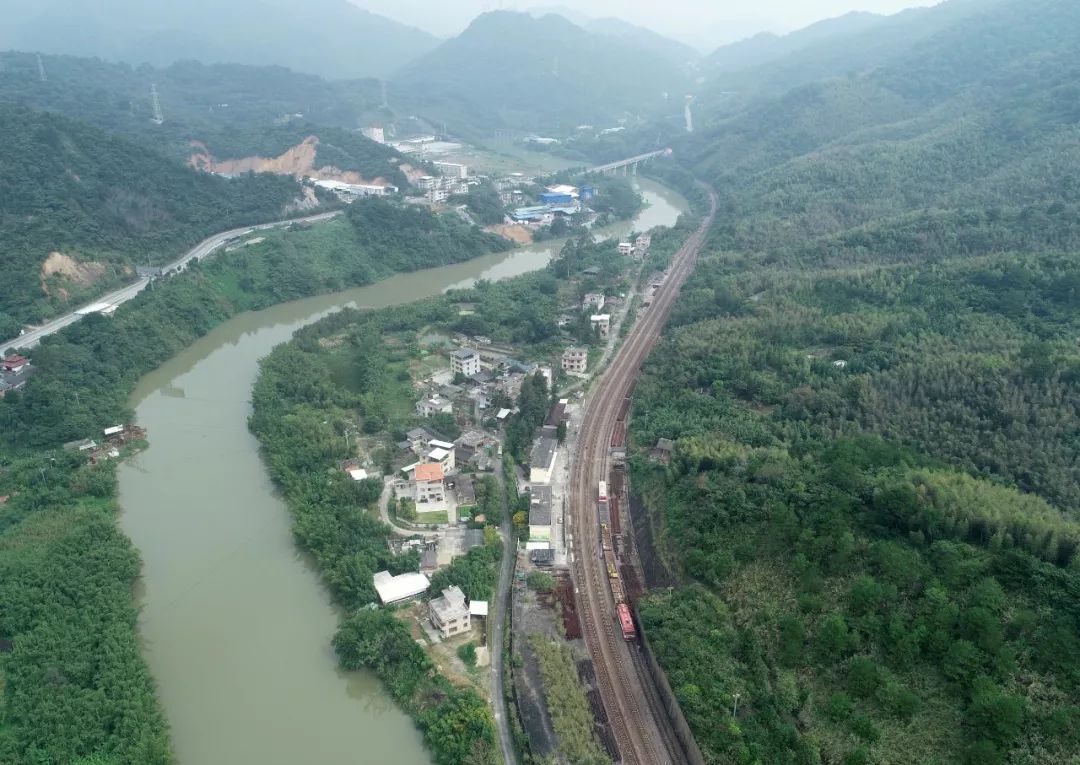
638,721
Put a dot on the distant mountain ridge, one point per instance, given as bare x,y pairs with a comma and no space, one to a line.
331,38
766,46
513,71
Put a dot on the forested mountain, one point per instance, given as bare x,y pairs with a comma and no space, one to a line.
766,46
214,114
836,48
80,207
872,510
196,98
510,70
333,38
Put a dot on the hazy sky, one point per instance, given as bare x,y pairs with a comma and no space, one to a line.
704,23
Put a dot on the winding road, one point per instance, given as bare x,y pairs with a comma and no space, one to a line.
124,294
641,729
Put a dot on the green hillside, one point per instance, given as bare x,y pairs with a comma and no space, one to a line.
108,204
873,384
333,38
234,111
512,71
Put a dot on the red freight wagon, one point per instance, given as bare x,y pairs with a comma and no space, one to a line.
626,622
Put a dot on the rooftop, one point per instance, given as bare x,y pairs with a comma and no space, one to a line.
450,605
439,454
543,454
431,471
540,506
478,608
392,589
464,353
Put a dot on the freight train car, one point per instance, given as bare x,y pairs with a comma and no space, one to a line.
626,622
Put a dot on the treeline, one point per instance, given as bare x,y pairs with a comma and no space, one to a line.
408,237
872,584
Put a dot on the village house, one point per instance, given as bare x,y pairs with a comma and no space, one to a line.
433,405
442,454
465,362
626,248
662,451
601,323
575,360
450,613
641,246
15,371
593,300
428,486
418,440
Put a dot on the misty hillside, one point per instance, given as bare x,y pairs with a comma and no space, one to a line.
332,38
226,111
106,204
510,70
766,46
983,112
834,48
644,39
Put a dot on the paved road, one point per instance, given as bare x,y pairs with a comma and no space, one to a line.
498,631
198,252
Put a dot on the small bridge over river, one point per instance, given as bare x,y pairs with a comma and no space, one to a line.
629,166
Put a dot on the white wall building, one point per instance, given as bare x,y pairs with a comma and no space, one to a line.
602,322
428,486
449,613
443,457
429,407
395,589
452,169
465,361
376,134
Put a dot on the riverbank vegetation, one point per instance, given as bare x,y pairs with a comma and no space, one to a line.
456,722
76,688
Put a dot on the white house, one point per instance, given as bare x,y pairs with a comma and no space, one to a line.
449,613
626,248
429,407
443,456
602,323
465,361
428,486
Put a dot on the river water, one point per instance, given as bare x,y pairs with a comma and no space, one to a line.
235,622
